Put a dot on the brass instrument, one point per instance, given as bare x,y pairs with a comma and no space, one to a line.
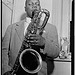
33,59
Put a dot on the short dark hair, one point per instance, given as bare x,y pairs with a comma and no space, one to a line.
26,2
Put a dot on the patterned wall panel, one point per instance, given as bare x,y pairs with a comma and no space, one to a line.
8,3
7,14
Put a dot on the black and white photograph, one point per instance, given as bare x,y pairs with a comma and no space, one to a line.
36,37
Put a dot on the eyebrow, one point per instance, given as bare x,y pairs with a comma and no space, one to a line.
33,2
27,2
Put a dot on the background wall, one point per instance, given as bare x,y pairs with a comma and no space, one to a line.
60,16
13,11
6,14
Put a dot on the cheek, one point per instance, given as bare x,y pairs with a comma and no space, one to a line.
38,8
29,13
29,8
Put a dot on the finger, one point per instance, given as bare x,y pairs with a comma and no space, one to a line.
34,35
32,41
41,50
32,38
35,42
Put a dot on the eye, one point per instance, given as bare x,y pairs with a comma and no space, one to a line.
37,4
29,4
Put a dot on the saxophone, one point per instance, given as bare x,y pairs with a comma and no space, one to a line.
26,51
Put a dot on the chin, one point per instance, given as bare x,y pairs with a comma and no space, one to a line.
29,16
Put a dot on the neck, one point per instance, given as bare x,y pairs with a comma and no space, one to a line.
29,17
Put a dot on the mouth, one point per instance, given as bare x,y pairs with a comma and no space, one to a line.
33,12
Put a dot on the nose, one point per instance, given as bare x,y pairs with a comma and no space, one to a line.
35,7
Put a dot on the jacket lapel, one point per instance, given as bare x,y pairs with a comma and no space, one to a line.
20,30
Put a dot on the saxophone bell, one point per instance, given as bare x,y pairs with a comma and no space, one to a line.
30,60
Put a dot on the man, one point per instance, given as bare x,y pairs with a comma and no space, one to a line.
15,33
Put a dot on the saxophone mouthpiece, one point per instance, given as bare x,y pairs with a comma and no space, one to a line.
34,12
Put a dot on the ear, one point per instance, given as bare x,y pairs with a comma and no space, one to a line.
25,8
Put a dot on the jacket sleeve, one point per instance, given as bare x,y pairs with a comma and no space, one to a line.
5,48
51,45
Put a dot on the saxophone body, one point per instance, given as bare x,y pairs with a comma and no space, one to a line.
26,51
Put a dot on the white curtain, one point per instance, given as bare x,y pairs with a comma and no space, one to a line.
61,16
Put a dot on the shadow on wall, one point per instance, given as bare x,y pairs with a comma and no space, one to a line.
23,16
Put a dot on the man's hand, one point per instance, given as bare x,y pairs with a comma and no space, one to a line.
36,39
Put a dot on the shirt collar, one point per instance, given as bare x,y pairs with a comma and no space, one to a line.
28,20
26,24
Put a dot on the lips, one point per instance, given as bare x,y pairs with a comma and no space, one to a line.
33,12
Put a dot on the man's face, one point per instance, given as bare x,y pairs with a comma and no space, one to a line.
32,5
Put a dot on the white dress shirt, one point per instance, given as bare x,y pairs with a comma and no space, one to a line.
26,24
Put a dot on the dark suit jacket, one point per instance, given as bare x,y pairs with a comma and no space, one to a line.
12,41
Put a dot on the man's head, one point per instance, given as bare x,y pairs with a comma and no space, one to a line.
31,5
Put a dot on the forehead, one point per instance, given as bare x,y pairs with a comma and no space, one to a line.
34,1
